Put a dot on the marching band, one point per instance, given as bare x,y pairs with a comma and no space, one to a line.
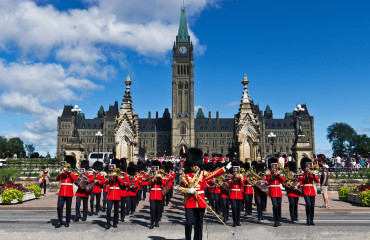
215,184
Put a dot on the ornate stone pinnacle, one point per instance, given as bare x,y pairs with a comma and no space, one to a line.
245,82
127,97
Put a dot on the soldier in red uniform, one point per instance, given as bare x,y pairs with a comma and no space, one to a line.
236,184
308,191
247,192
132,189
225,200
82,194
123,188
193,183
156,184
98,188
293,196
274,179
258,194
65,194
113,180
144,182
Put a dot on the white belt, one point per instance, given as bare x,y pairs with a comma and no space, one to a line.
67,184
307,185
156,189
114,188
235,189
274,185
248,185
200,192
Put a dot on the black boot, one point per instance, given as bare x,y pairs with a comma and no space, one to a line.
76,219
107,226
156,224
276,224
151,226
58,225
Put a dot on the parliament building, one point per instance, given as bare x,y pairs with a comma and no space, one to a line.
246,136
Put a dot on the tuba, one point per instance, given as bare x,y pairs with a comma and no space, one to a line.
291,182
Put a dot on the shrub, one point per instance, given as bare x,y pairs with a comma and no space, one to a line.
343,193
365,198
9,175
35,189
9,195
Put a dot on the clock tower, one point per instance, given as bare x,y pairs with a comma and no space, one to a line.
182,90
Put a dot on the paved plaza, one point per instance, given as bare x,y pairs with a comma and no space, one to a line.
35,219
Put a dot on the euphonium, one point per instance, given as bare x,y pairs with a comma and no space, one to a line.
253,177
219,180
161,172
242,171
315,168
289,178
279,168
116,172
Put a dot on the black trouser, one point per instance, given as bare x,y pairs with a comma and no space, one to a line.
194,216
217,202
293,207
264,202
123,208
310,208
43,185
155,210
225,207
235,208
109,211
97,206
84,206
276,208
145,189
212,200
248,198
138,197
168,197
162,206
258,201
105,195
131,204
60,206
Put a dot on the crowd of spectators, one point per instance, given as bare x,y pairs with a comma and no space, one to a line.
347,163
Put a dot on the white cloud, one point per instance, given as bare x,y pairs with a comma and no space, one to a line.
367,121
232,104
363,130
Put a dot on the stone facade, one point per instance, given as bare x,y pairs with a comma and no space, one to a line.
245,136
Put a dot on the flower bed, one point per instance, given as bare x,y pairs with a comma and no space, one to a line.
357,194
17,193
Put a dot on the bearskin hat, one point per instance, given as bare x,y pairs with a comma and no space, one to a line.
194,156
116,162
122,164
71,160
292,166
140,166
246,166
84,164
271,161
156,163
254,163
98,166
131,170
260,167
304,161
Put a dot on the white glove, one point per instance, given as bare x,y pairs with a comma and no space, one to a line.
228,166
192,190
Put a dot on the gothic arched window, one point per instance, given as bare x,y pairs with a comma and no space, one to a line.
183,130
180,85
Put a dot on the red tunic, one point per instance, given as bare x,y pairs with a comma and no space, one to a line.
274,185
144,182
248,189
291,193
98,187
114,192
82,193
156,185
199,183
131,192
307,184
123,187
236,188
66,187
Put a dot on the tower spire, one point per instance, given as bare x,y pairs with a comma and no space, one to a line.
183,35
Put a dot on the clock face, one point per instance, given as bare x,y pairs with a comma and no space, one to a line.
182,49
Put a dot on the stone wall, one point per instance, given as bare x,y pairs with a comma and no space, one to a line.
336,184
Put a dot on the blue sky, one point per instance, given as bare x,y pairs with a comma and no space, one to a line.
56,53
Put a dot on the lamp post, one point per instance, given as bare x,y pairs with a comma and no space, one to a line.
272,137
75,110
98,136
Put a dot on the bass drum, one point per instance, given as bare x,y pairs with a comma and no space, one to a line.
82,181
262,186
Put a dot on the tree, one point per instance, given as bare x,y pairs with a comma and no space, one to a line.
3,143
360,145
35,155
47,155
341,136
30,149
15,146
